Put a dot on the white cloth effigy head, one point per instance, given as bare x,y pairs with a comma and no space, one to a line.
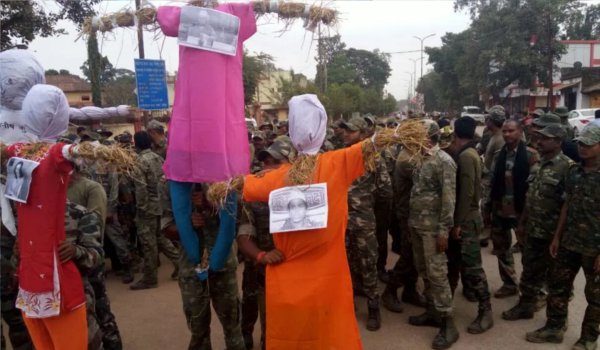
307,123
19,71
46,112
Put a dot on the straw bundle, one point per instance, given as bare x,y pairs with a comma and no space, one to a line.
146,16
121,160
302,170
125,19
287,11
217,192
411,134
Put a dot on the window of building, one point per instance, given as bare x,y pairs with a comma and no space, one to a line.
85,98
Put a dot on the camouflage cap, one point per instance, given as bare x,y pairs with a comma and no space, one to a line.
355,124
590,135
432,127
265,124
283,123
280,149
539,112
155,125
546,119
446,134
337,123
497,113
370,120
553,131
124,138
562,112
259,135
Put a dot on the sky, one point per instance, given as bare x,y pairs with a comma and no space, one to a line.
387,25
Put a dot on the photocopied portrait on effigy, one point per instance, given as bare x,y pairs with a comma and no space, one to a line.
19,174
298,208
208,29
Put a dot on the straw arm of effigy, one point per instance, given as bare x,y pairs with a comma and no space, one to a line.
286,11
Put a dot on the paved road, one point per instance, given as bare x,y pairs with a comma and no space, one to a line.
153,319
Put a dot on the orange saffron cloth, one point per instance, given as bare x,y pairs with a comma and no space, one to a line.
309,297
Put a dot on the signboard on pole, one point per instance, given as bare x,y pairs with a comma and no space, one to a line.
151,81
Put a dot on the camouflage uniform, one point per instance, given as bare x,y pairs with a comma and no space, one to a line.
404,271
83,230
113,230
505,218
90,195
148,182
432,201
254,223
160,148
17,332
361,241
468,216
545,198
579,248
383,211
221,289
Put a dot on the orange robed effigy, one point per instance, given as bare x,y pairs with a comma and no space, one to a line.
309,296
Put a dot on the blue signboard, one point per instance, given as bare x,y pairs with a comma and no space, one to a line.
151,80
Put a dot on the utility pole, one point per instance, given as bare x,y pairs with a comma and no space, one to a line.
141,54
414,61
422,40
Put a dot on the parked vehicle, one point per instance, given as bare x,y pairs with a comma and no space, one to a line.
579,118
475,113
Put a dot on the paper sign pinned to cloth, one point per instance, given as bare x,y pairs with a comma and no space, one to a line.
18,180
208,29
298,208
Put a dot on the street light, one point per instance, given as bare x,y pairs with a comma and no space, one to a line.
414,61
422,39
410,87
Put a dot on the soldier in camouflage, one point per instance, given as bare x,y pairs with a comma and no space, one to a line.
563,113
575,246
508,187
361,241
337,139
545,198
148,183
259,141
404,271
113,228
432,204
468,222
17,332
220,289
90,195
159,139
254,237
83,245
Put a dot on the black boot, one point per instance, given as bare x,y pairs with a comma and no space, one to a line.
127,276
410,295
484,320
447,335
429,318
390,299
374,320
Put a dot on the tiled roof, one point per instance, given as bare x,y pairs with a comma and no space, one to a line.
68,83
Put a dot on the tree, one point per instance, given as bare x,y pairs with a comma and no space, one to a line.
583,25
390,104
121,89
342,100
107,71
22,21
327,48
94,60
367,69
254,67
51,72
297,85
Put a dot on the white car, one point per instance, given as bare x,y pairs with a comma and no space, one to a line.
579,118
475,113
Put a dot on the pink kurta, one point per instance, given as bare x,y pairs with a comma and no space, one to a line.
208,138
